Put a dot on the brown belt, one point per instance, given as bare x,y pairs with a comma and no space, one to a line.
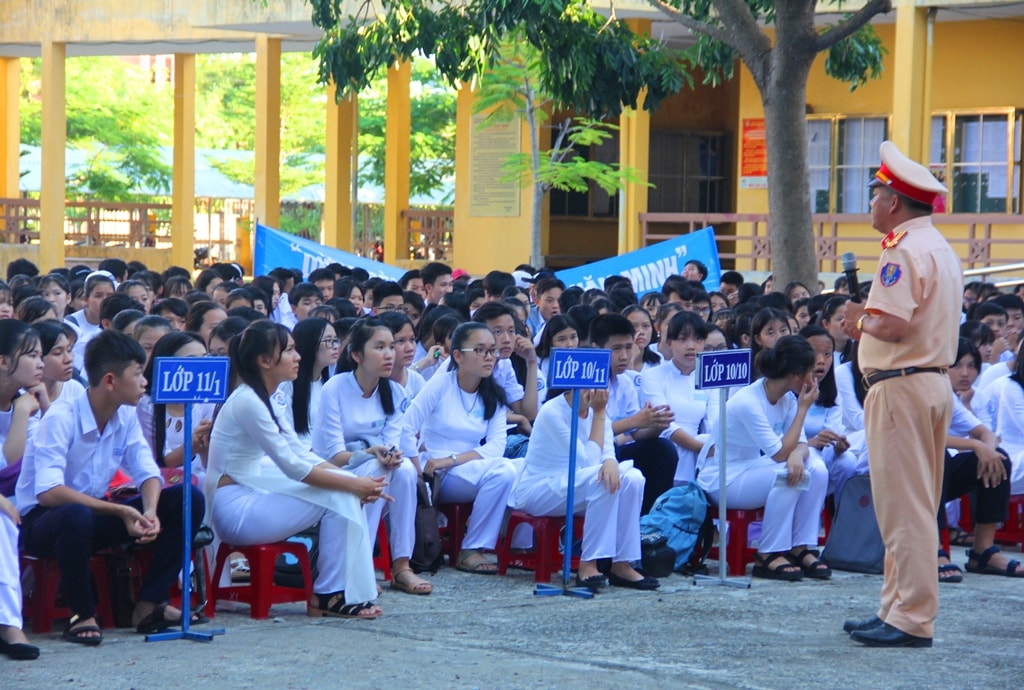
883,374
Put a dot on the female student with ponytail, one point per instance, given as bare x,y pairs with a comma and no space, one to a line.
768,465
253,502
459,418
358,426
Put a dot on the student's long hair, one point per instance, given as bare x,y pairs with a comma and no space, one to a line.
649,355
552,328
165,347
1018,367
827,390
489,391
307,334
260,338
360,336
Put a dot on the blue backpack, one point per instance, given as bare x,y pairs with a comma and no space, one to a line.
681,515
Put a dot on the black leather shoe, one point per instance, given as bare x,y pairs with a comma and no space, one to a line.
19,650
887,636
853,625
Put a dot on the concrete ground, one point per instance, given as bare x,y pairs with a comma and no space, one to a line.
492,632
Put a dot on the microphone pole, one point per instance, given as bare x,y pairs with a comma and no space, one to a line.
850,270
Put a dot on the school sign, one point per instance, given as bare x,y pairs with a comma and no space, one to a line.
648,268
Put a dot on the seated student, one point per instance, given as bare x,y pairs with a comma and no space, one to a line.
23,397
57,291
767,326
349,289
977,465
358,426
561,332
823,425
993,316
767,462
304,297
636,429
608,493
644,357
164,425
70,461
13,642
1009,421
1014,307
258,502
673,386
402,372
832,318
148,330
387,297
86,322
57,338
174,310
319,348
203,317
459,420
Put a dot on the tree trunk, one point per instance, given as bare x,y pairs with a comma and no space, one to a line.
793,250
536,212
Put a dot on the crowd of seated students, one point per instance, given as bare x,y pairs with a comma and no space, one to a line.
347,388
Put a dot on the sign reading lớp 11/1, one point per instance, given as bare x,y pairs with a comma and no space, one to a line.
190,379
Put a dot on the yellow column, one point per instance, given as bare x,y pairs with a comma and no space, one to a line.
268,131
911,103
398,131
341,164
10,135
54,140
634,152
183,190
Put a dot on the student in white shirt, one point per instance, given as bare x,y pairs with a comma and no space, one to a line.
164,425
435,335
86,322
637,429
23,396
459,420
69,463
358,426
823,425
608,493
57,339
405,352
673,384
644,358
319,348
1010,423
560,332
258,502
768,465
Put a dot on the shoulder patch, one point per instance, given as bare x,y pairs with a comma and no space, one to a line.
890,274
892,239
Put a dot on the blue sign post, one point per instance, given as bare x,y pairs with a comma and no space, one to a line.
575,370
722,370
188,380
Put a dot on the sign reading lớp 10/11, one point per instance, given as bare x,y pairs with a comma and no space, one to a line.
579,368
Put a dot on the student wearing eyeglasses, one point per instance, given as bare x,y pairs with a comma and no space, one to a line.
459,419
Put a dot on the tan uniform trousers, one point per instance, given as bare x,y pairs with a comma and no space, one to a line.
906,419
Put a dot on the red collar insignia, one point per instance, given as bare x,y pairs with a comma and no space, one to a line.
892,239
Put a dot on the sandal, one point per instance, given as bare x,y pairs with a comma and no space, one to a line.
156,620
982,567
816,569
339,609
410,586
951,571
78,636
785,571
475,562
959,537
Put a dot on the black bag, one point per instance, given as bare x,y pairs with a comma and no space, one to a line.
854,542
658,559
287,572
427,555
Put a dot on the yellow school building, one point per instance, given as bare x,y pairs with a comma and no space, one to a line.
950,96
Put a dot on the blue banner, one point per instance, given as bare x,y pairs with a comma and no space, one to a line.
648,268
275,248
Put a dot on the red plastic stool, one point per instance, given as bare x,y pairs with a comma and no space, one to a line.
545,558
1012,531
458,518
737,553
42,604
382,561
261,592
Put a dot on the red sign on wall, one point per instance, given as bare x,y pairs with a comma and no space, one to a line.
754,161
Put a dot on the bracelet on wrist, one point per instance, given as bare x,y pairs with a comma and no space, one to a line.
860,322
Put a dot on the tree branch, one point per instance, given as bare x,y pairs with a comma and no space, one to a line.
693,24
735,13
850,25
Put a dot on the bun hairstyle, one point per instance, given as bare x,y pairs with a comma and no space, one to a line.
360,335
489,391
260,338
165,347
791,355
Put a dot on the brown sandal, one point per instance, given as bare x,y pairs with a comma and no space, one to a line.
408,586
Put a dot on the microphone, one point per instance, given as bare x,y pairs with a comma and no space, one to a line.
850,269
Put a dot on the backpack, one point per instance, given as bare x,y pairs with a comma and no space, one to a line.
287,572
854,542
681,516
427,555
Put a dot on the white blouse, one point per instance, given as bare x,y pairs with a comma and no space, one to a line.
693,408
447,420
344,415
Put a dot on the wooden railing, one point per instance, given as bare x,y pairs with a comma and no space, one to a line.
92,223
981,239
429,234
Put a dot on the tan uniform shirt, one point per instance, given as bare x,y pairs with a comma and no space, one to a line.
919,279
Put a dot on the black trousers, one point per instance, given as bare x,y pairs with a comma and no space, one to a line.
72,533
656,459
960,477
